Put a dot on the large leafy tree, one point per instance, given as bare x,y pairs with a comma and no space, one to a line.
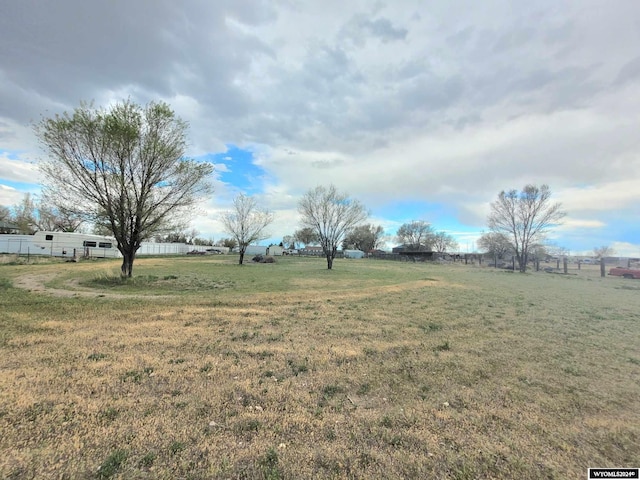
364,237
246,222
330,214
230,243
122,168
524,217
306,236
416,234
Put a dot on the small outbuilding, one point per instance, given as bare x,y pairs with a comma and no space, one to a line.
275,250
353,253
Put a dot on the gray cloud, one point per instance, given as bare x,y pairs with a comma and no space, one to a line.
361,28
630,72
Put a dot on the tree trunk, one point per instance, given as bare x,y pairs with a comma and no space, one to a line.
329,261
522,261
127,264
241,256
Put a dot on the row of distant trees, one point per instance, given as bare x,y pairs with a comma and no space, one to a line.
33,214
330,219
124,170
416,234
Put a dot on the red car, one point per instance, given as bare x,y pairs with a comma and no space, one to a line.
625,272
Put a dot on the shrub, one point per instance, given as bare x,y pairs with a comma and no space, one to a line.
263,259
112,464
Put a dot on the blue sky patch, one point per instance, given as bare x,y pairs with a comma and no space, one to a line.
433,213
241,172
21,186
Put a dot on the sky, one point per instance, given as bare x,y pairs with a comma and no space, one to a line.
421,110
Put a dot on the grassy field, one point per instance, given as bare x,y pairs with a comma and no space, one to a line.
201,369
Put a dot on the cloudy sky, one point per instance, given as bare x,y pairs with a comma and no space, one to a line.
420,109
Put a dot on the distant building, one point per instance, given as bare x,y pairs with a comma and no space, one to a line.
312,250
353,253
414,251
6,227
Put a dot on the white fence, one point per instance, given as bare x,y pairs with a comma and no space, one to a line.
20,244
25,245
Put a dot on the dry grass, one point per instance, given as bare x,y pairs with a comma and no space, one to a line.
374,370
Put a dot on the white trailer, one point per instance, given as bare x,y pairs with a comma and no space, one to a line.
66,244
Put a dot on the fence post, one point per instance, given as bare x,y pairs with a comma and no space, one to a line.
602,267
564,265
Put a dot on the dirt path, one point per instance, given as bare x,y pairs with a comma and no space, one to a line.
37,283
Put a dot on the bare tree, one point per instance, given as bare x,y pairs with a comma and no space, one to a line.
289,241
556,250
6,219
524,218
25,215
330,214
123,169
56,219
603,251
5,213
416,234
442,242
246,222
496,244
